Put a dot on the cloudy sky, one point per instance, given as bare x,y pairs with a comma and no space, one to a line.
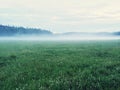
62,15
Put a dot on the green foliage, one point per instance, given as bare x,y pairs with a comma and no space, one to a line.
33,65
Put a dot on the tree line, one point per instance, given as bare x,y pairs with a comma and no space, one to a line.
13,31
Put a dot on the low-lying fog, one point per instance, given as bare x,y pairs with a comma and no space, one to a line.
42,38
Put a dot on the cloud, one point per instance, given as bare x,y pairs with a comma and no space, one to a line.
62,15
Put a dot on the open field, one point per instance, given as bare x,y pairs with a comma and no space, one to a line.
60,65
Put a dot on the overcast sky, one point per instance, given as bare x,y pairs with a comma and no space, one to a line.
62,15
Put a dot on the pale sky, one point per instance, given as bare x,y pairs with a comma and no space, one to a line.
62,15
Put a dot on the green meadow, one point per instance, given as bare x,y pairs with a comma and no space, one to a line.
60,65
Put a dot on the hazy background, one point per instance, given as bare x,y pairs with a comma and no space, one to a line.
62,15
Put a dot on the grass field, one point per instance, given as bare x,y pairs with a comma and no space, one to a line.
60,65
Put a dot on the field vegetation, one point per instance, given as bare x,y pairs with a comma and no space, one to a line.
60,65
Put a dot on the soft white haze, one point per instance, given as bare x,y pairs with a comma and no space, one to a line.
62,15
63,38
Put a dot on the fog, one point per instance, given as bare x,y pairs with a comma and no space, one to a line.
60,38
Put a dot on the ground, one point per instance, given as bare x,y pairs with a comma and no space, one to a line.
60,65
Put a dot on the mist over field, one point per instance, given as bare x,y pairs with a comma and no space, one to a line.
61,38
22,33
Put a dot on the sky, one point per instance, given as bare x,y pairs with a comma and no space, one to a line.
61,16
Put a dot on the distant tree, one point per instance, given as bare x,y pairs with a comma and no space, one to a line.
117,33
12,31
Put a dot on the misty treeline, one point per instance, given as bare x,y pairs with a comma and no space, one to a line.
6,30
117,33
13,31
